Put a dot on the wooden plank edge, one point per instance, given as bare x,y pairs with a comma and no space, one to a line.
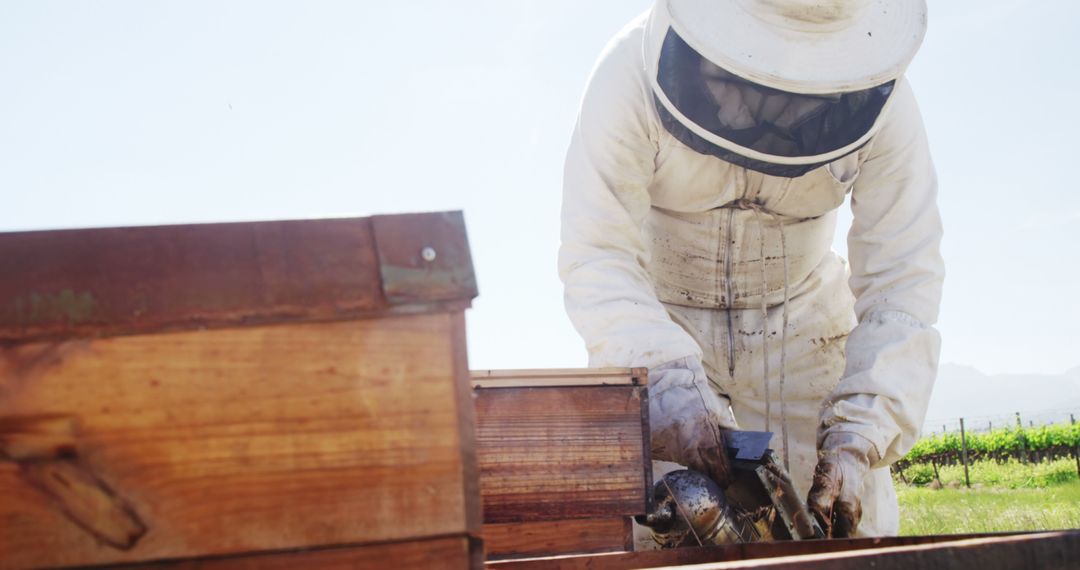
1046,551
628,532
560,377
285,317
751,555
304,557
646,452
43,298
507,541
470,462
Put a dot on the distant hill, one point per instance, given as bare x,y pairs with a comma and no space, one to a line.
963,391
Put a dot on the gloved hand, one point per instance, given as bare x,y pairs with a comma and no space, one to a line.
843,462
687,419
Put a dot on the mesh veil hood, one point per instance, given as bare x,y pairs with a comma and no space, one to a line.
716,111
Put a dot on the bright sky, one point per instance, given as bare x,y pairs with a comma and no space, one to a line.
150,112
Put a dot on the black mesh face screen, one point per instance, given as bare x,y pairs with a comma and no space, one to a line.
766,120
702,146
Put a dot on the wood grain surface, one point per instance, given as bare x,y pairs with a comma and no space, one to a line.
451,553
238,440
550,453
1005,551
546,538
109,281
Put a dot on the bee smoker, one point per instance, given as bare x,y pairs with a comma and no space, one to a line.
689,509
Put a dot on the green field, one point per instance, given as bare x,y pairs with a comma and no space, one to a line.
1004,497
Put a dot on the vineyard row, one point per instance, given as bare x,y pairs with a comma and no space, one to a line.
1043,443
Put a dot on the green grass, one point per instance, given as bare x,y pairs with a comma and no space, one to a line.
1004,497
950,511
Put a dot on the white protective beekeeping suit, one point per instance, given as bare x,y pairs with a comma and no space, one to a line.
696,224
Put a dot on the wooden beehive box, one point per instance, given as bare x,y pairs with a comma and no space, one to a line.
276,394
564,458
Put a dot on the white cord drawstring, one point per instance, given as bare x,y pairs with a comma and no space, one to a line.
783,341
758,209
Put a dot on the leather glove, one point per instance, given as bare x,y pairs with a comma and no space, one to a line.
843,462
687,419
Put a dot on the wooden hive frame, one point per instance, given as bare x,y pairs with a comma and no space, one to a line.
563,458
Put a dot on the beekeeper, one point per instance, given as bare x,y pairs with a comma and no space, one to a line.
715,142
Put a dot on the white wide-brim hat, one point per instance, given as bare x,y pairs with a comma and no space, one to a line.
803,46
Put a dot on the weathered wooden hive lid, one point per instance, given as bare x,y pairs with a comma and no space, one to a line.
112,281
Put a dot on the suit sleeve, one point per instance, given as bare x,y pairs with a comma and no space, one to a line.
610,163
896,277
